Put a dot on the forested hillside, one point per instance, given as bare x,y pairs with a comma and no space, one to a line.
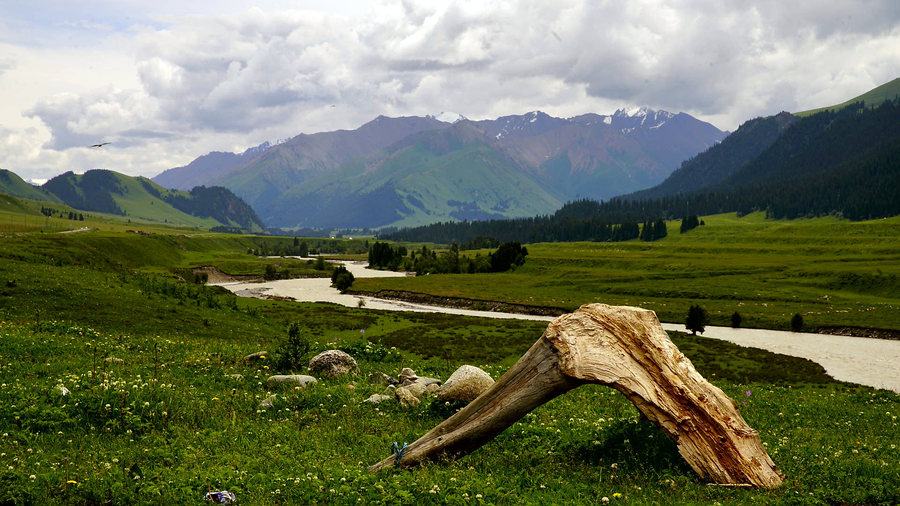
844,163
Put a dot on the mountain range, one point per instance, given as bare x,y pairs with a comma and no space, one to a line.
842,160
415,170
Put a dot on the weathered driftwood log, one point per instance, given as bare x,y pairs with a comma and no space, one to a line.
627,349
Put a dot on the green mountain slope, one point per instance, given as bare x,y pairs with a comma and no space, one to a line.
434,176
12,184
264,177
139,198
872,98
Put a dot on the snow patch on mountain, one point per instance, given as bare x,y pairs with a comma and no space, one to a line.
628,119
448,117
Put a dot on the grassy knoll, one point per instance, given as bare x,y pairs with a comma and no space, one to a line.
170,421
833,272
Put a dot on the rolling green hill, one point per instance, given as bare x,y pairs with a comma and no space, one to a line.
12,184
872,98
141,199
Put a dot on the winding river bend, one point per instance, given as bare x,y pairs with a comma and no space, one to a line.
867,361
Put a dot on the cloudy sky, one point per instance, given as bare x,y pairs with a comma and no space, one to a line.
166,81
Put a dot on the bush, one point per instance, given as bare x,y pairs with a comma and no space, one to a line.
509,255
797,323
342,279
292,354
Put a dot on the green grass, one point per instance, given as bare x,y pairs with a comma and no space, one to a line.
831,271
170,421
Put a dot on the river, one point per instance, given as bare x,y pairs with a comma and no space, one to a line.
867,361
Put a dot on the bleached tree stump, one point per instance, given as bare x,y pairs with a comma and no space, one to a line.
627,349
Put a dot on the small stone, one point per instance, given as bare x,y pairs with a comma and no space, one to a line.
415,389
465,384
406,374
406,398
425,381
237,377
114,360
268,402
351,387
259,355
332,364
378,398
380,378
290,380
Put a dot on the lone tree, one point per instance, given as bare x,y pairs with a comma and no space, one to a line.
736,319
697,319
341,278
797,322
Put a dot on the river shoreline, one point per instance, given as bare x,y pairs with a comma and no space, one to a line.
870,361
487,305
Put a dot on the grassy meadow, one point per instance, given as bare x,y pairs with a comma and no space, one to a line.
832,272
153,413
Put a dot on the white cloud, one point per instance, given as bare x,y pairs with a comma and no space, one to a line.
168,88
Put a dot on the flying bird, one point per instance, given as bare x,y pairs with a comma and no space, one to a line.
99,145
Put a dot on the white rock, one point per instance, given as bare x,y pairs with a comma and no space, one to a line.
290,380
378,398
332,364
268,402
465,384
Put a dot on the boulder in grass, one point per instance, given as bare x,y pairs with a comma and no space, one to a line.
465,384
333,364
290,380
